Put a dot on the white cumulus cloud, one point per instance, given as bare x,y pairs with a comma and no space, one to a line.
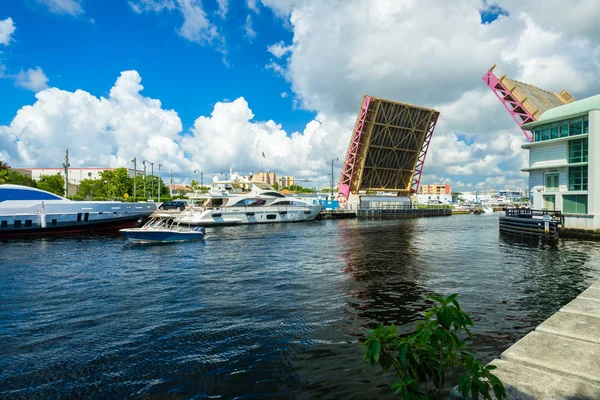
32,79
7,28
404,51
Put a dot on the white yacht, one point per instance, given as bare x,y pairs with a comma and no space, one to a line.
27,211
241,201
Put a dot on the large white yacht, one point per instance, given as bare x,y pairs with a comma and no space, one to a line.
26,211
241,201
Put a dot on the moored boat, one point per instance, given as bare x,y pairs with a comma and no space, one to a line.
241,201
164,229
27,211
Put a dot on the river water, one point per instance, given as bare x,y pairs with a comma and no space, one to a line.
264,311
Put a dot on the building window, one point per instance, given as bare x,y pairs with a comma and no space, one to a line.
561,129
578,178
549,202
578,151
551,182
575,204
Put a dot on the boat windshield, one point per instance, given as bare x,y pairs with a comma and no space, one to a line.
215,203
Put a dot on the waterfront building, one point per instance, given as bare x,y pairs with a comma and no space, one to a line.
562,162
265,177
285,181
179,190
434,198
76,175
440,189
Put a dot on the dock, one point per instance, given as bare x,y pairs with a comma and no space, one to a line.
560,359
403,211
531,223
337,214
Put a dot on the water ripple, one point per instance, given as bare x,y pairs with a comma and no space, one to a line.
261,311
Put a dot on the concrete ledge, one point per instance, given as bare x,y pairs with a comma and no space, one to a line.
589,307
557,354
574,326
525,383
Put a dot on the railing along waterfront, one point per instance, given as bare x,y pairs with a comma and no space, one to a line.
385,211
531,223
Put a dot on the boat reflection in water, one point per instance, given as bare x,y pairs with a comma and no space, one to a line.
241,201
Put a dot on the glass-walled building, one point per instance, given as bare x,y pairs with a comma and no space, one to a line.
562,159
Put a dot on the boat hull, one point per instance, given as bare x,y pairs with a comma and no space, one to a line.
86,227
147,235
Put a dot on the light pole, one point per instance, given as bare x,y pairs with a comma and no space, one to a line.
201,180
159,165
134,177
332,160
151,174
144,162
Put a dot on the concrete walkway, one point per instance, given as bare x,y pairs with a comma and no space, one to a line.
560,359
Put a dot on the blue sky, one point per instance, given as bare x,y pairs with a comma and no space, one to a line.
76,53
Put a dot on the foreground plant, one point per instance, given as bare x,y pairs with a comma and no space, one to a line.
423,359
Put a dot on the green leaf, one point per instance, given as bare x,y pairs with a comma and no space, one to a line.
376,350
451,298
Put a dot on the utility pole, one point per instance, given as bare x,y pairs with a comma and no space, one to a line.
144,162
171,185
134,177
66,166
159,165
332,160
152,175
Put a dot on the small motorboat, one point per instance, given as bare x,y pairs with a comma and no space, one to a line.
488,210
164,229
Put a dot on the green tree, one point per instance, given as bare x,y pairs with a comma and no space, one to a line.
423,359
4,171
52,183
89,188
275,186
7,175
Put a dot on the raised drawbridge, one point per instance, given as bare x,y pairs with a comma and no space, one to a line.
523,101
387,149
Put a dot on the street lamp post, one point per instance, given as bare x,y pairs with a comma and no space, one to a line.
201,180
151,174
144,162
159,165
332,160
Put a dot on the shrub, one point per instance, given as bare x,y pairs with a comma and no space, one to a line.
423,359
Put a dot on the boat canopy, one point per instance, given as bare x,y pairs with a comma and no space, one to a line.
18,192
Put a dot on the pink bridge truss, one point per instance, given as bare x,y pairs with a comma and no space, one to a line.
524,102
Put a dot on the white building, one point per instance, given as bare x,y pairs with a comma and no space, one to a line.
562,176
76,175
434,198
